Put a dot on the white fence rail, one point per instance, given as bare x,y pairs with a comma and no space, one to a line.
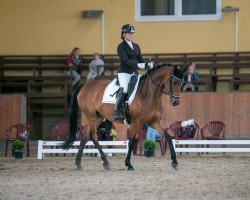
201,145
117,147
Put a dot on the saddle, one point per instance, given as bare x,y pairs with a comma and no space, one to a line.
131,86
111,91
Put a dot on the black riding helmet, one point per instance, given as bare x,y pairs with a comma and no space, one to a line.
128,29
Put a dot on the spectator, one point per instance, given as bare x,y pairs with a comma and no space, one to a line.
151,133
96,68
191,75
104,130
74,66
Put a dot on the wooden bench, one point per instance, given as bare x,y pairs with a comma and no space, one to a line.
239,79
35,78
214,62
206,83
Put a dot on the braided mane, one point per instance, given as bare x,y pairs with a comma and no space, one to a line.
150,71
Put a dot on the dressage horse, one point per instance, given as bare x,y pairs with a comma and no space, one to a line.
145,108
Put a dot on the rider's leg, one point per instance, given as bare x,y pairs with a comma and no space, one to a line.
124,79
119,101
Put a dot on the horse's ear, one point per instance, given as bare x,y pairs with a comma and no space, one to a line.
175,70
183,70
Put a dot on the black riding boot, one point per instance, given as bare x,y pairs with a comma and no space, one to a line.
120,99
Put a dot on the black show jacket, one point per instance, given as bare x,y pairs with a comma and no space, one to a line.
129,57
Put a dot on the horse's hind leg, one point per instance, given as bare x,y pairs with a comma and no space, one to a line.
84,140
94,138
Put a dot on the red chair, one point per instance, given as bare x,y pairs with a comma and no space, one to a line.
61,132
174,130
141,136
214,130
22,132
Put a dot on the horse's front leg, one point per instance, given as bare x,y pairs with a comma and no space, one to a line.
128,157
160,129
132,131
171,147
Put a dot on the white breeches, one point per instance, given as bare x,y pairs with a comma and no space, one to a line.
124,79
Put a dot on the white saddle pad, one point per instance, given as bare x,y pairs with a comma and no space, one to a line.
112,88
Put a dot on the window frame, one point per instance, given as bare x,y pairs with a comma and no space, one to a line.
178,14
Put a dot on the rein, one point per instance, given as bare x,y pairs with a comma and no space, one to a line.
179,81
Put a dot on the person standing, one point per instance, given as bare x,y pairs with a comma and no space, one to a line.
130,59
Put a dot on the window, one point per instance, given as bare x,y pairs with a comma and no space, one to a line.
177,10
157,7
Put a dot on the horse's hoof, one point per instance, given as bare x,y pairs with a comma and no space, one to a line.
130,169
78,167
107,167
174,166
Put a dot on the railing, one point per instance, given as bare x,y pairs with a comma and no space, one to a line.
244,146
45,147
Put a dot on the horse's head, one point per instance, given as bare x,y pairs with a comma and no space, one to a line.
174,84
168,79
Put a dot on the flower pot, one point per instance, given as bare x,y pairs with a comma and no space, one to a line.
149,153
18,154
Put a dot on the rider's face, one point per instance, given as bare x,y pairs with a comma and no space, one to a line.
128,36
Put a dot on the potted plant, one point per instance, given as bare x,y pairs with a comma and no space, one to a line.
18,146
149,148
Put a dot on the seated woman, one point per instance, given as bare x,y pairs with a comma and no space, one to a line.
151,133
74,66
189,76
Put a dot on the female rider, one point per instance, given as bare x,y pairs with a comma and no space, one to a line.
130,58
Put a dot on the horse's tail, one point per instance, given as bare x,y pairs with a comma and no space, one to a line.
73,118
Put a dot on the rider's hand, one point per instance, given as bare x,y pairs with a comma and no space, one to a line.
141,65
145,65
149,65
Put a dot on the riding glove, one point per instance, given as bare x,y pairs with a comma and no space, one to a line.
145,65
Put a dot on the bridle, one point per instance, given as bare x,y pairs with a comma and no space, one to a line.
169,81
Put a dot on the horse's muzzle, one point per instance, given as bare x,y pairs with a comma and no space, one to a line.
174,100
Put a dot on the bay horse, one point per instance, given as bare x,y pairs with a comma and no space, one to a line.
145,108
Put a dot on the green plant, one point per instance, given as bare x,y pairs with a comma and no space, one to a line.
18,145
149,145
